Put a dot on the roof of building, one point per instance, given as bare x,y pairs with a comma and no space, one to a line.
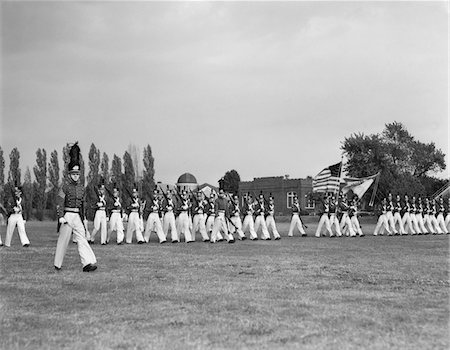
187,178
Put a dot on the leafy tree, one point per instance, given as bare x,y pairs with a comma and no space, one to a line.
405,163
116,174
148,180
104,166
53,178
231,181
28,192
129,174
14,169
92,180
134,152
40,173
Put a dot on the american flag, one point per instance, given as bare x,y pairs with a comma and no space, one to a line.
328,179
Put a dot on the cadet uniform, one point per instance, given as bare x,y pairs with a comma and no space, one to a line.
324,218
260,211
199,219
115,218
270,219
70,208
248,223
296,222
382,223
346,224
153,221
440,216
183,218
135,218
419,217
390,215
16,218
406,220
235,218
427,216
447,216
397,217
169,218
413,216
100,216
353,214
221,214
334,221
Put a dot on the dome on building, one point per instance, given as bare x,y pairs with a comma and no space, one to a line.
187,178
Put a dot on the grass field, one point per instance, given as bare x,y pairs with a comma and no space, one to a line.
308,293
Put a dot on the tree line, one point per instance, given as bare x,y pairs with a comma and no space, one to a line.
41,193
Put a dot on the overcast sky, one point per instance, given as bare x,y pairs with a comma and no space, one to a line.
265,88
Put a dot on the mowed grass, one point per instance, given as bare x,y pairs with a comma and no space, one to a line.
308,293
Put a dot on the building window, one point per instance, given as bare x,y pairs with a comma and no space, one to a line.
310,203
290,198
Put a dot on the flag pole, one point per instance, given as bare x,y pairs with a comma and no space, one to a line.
375,188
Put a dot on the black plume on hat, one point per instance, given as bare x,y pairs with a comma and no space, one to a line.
74,154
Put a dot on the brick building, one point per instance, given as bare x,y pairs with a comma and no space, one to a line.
283,190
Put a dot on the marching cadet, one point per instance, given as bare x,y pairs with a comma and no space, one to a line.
221,214
427,216
210,216
433,217
249,223
16,218
413,216
324,218
397,217
334,221
346,224
134,218
70,209
390,214
236,222
270,219
100,215
153,221
169,217
419,216
2,220
199,218
260,220
115,217
440,216
406,220
382,224
296,222
183,217
353,214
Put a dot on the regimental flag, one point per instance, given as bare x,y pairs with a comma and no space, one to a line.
328,179
358,186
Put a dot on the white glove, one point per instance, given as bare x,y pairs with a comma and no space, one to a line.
62,221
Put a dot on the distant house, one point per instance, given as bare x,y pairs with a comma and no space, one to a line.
283,190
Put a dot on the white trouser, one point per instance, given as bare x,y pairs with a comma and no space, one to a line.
199,225
73,226
391,222
335,222
419,219
447,221
398,219
407,224
99,223
271,226
220,224
154,225
134,225
249,225
260,221
324,219
414,223
435,225
346,226
428,223
382,225
237,226
13,220
356,225
441,223
116,224
296,222
184,226
169,223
